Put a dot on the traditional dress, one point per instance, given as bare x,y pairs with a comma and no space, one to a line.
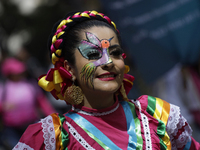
147,123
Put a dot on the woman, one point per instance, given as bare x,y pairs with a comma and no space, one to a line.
20,102
90,74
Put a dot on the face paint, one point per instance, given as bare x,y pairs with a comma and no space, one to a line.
93,49
87,74
90,49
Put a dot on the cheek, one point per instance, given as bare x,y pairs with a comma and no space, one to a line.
120,65
87,74
84,73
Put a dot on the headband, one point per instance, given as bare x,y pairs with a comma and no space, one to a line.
58,78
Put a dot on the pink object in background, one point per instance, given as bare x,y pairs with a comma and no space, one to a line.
12,66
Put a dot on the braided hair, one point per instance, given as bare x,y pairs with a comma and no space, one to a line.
62,43
65,34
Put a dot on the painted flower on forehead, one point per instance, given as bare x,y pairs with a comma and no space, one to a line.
94,49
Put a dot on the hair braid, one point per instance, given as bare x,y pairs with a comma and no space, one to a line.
57,39
58,78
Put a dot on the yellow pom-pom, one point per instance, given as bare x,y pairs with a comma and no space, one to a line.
58,52
85,15
114,25
54,39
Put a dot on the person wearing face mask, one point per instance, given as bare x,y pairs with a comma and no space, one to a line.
89,73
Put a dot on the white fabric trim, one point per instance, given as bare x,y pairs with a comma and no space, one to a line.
137,103
78,137
22,146
184,137
145,123
175,122
48,133
95,114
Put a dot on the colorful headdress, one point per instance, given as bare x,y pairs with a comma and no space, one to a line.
58,78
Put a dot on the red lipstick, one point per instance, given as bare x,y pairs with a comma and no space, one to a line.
107,76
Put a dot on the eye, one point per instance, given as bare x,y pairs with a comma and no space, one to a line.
116,52
93,54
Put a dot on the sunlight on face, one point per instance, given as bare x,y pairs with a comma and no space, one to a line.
99,47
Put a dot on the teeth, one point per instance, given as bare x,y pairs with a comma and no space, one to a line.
107,76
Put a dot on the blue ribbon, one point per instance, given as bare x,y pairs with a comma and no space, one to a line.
85,124
187,146
130,126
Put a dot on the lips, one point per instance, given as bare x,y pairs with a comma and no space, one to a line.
107,76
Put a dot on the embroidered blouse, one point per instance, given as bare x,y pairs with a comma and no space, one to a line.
147,123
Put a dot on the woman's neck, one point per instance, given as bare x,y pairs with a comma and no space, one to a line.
98,100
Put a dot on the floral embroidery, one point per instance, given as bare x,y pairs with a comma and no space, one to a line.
183,138
22,146
173,120
93,113
78,137
174,124
48,133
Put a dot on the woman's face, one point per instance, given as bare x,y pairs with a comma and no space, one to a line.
99,63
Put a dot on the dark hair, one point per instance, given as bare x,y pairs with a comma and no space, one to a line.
71,38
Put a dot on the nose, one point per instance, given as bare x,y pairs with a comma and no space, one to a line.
108,65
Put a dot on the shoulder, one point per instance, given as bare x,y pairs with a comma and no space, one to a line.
43,134
155,106
170,116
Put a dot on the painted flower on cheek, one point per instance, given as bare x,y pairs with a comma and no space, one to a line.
93,49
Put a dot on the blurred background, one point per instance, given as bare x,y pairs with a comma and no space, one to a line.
161,40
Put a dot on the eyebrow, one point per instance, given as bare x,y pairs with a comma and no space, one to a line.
114,46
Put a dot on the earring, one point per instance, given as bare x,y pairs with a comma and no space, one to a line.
73,94
123,93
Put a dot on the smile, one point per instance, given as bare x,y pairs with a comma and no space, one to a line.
107,76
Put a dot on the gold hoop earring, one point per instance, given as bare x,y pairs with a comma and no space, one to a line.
73,94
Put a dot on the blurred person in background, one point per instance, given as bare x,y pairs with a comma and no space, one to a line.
181,86
34,70
21,101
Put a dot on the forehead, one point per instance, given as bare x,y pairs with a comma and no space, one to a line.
101,33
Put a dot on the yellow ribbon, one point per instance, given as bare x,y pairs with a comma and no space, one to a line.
162,113
158,110
127,69
57,77
46,85
164,118
128,81
57,125
50,85
85,15
114,25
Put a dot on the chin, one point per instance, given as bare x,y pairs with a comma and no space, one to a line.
108,88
